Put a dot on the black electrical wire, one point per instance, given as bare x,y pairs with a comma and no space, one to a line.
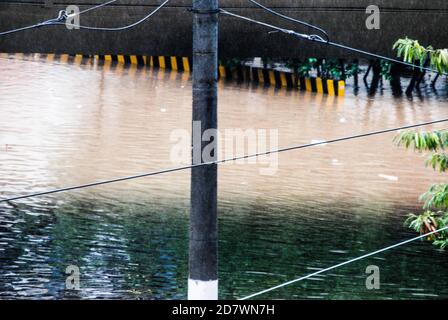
368,255
296,147
309,25
60,18
63,16
124,27
97,7
318,39
34,26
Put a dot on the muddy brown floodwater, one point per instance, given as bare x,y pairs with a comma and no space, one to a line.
64,124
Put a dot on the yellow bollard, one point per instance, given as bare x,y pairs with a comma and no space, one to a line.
330,86
134,60
78,59
283,79
319,85
272,78
341,88
64,58
174,63
186,64
308,86
222,72
260,76
162,63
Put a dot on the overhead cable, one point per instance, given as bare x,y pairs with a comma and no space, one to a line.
319,39
296,147
309,25
344,263
63,16
120,28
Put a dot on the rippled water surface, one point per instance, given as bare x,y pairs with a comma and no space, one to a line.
64,124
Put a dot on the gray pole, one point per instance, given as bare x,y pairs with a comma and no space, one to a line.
203,258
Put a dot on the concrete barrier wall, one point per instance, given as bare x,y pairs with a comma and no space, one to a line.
169,31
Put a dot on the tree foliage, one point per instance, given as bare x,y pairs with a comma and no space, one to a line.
412,51
435,199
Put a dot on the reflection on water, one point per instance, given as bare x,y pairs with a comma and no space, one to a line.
63,125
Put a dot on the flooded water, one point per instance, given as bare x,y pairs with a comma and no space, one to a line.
64,124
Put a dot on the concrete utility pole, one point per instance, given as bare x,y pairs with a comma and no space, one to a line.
203,259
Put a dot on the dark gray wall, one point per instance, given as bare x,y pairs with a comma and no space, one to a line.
169,32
